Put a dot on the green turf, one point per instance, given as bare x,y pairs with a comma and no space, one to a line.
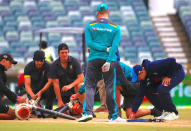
83,127
185,114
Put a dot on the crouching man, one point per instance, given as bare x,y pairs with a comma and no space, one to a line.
6,112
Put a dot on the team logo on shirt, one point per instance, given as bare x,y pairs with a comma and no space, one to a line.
70,66
148,83
101,29
43,72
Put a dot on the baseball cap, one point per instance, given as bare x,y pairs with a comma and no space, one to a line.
39,55
43,44
63,46
8,57
135,72
102,7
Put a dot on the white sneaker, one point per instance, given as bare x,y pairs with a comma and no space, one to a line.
118,119
171,116
164,114
85,118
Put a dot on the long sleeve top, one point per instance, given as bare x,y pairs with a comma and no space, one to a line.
99,35
3,87
156,71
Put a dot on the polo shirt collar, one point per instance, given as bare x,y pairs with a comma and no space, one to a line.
103,20
69,60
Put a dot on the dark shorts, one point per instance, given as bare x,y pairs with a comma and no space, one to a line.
66,95
3,107
131,89
128,102
129,94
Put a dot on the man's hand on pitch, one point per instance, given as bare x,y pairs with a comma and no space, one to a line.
106,67
34,97
166,81
74,96
20,99
132,115
39,94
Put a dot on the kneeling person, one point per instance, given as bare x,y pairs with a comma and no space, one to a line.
6,112
157,78
129,90
37,81
67,75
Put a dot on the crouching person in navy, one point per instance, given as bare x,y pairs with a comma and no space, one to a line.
157,78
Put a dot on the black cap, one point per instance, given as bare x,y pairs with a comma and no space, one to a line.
39,55
43,44
8,57
63,46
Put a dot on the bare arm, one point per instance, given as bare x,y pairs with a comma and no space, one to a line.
79,79
28,87
46,87
57,92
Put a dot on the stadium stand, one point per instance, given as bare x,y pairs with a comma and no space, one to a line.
20,19
184,11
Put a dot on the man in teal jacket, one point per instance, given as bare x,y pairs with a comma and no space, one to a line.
102,37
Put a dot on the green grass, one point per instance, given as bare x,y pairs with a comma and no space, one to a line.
45,125
82,127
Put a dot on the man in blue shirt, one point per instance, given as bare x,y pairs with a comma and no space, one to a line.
102,37
157,78
127,88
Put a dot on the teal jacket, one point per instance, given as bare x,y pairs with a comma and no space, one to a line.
99,35
127,71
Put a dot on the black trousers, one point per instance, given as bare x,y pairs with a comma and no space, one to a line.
93,74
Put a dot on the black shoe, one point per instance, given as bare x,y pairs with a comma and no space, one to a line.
94,116
119,112
155,112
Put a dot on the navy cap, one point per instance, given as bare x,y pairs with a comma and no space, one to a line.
135,72
8,57
39,55
102,7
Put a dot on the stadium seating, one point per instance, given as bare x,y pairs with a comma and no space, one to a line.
184,11
20,20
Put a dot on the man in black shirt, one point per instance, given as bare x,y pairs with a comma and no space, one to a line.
6,61
67,75
37,81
